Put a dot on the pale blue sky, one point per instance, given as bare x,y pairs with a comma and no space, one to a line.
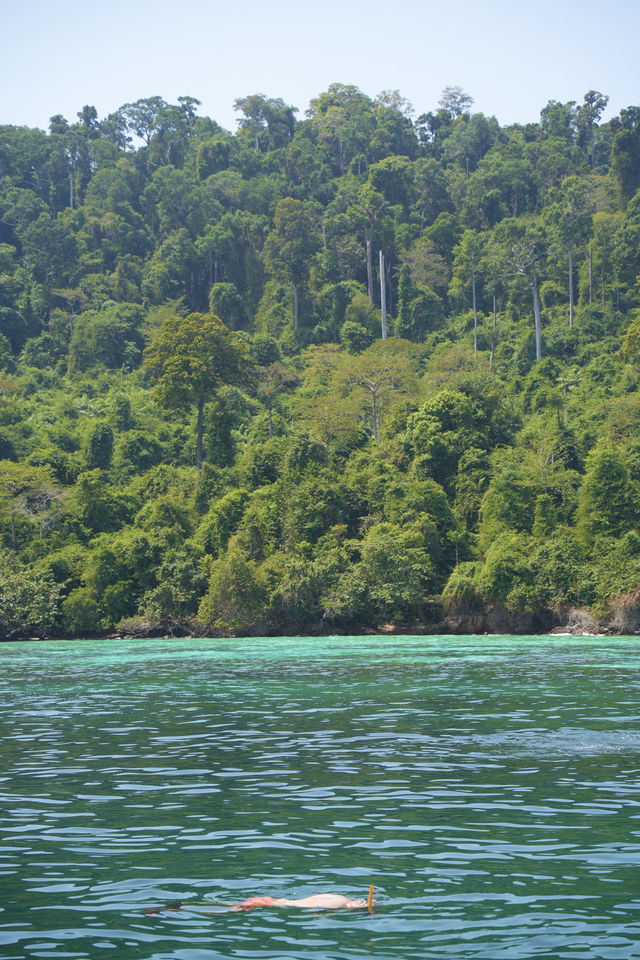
512,57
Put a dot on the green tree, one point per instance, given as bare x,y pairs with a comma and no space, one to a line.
143,117
390,582
100,447
189,359
455,101
394,133
110,335
588,116
558,120
355,337
290,246
98,506
172,270
625,151
272,380
508,504
225,302
507,574
232,247
523,247
471,138
419,308
604,252
374,216
213,156
28,602
345,121
268,124
570,216
51,249
626,255
236,598
28,493
468,257
381,371
607,501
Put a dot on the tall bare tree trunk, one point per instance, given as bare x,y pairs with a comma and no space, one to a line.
387,266
369,271
475,311
571,282
383,297
200,431
497,310
493,333
536,313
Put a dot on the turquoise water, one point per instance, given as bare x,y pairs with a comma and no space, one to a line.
489,787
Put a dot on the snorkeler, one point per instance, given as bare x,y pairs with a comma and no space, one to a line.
326,901
318,901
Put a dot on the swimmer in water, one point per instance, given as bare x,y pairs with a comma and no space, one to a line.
322,901
318,901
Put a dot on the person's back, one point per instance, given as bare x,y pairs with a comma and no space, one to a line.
321,901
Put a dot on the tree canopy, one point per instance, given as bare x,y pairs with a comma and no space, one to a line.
189,359
343,368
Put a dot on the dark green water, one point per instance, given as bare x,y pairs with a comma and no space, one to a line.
489,787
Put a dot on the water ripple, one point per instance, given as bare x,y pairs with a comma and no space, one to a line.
490,788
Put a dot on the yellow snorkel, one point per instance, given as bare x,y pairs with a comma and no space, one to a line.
370,900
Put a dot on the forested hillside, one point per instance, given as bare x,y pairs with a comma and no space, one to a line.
351,369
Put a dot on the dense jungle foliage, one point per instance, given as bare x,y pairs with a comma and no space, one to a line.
328,373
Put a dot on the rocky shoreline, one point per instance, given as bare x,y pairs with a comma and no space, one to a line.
622,619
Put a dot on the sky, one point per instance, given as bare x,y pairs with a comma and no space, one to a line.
511,56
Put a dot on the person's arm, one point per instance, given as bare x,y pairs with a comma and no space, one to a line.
252,902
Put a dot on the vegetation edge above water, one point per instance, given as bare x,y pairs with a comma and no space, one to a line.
325,374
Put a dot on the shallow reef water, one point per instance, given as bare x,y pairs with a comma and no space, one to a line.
488,786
